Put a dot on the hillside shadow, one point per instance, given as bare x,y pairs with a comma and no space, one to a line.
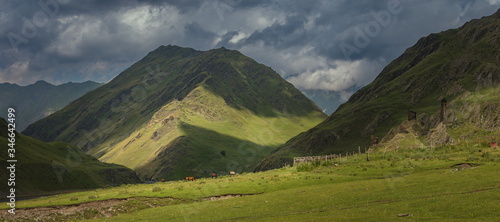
201,151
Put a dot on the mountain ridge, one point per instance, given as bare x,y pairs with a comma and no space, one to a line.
449,64
181,86
40,99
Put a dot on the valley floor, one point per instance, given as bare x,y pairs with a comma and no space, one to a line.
450,183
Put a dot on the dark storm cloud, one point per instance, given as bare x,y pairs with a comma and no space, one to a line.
98,7
279,36
196,31
305,40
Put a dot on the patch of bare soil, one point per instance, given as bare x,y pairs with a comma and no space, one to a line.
464,166
227,196
97,209
88,210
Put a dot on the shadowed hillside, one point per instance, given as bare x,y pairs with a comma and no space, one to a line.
136,116
459,65
54,167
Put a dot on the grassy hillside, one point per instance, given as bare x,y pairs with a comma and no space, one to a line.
444,183
38,100
55,167
219,100
202,134
459,65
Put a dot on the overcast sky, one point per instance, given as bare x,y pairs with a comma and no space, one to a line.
330,45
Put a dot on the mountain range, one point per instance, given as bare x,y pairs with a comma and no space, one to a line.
38,100
181,112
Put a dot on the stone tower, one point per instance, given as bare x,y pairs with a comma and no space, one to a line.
443,110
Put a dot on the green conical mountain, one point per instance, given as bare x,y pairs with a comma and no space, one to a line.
460,65
38,100
181,112
54,167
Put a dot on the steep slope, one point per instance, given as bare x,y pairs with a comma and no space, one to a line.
175,104
38,100
459,65
53,167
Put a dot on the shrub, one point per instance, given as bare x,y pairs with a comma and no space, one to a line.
472,158
307,167
156,189
304,167
486,155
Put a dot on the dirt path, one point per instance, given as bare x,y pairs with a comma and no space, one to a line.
100,208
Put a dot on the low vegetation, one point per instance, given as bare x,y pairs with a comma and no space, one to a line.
56,167
459,65
445,183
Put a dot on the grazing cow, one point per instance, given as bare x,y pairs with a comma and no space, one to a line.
162,180
214,175
190,179
494,145
232,173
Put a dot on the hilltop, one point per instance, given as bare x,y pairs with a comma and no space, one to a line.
458,65
180,112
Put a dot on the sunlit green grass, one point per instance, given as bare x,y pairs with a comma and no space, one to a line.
420,182
211,126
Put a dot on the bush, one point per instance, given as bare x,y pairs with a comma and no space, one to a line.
472,158
305,167
156,189
486,155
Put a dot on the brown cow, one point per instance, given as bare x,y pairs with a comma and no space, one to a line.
190,179
214,175
494,144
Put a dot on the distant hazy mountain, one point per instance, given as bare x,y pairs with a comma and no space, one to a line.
40,99
54,167
328,101
180,112
460,66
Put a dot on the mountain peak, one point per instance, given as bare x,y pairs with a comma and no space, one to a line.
172,51
180,104
42,82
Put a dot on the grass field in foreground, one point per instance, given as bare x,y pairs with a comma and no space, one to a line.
419,182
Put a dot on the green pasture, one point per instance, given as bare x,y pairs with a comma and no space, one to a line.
416,184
